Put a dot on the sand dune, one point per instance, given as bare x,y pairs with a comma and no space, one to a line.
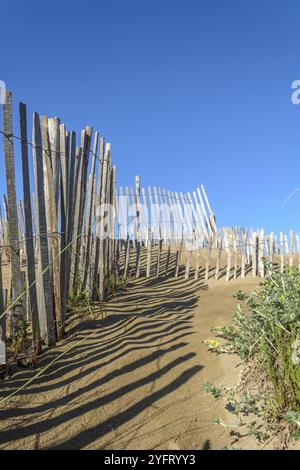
136,383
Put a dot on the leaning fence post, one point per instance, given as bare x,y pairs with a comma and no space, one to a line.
261,246
218,258
138,228
235,249
197,266
101,222
64,145
30,266
281,253
188,264
2,319
13,229
45,291
291,254
229,253
207,265
254,254
244,254
52,212
90,198
159,252
298,250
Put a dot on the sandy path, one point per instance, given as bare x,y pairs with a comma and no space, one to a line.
136,383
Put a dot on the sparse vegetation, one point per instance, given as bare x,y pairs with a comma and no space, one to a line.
265,335
112,284
19,339
78,295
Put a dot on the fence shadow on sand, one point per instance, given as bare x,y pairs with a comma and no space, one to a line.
137,357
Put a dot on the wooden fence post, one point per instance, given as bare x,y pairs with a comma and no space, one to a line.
281,253
101,222
2,317
98,222
298,250
64,145
70,212
261,246
244,254
235,250
229,254
291,253
124,206
138,231
159,232
45,291
52,212
30,265
254,254
207,265
218,258
13,229
90,198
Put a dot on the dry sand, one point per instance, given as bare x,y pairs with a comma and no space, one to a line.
136,383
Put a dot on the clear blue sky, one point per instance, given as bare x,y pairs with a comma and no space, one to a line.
186,91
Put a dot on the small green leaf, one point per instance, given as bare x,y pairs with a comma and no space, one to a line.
296,436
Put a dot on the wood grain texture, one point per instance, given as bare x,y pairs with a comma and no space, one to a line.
12,217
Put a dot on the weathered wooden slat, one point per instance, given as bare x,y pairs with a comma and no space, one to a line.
102,221
95,274
202,226
54,239
244,254
74,227
208,226
2,318
261,246
229,254
271,251
197,266
167,218
30,254
281,253
180,239
109,244
298,251
90,198
138,228
86,136
159,252
291,252
117,236
70,211
65,215
45,289
128,247
212,219
71,188
254,254
189,234
188,264
153,218
78,217
13,229
218,258
148,233
207,265
235,251
53,125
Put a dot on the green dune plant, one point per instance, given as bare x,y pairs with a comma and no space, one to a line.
265,334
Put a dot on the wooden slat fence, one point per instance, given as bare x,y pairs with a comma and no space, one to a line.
72,230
